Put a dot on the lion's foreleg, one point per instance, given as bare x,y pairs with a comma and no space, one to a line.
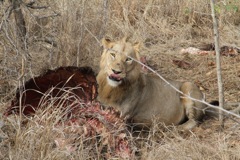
189,105
126,111
190,113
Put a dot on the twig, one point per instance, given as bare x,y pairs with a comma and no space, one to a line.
20,21
218,63
52,15
6,14
9,39
81,32
48,40
105,18
30,5
92,35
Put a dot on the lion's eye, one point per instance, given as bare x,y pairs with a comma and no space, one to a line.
128,59
113,55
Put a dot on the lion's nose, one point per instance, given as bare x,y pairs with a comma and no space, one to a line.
116,72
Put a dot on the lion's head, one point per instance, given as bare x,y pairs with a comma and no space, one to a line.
117,61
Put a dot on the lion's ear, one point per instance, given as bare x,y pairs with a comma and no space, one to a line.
125,38
136,47
107,43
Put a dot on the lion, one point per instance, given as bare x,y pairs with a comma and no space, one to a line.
139,96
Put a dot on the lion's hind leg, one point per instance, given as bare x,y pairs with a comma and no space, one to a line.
193,109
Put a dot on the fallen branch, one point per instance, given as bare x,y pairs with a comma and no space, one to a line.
47,40
51,15
20,21
30,5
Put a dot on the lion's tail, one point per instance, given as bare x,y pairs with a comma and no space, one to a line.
229,106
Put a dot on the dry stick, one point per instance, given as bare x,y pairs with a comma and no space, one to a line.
188,96
92,35
81,33
105,13
105,19
218,63
31,5
20,21
6,15
149,5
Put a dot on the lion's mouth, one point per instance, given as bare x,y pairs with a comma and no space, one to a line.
115,77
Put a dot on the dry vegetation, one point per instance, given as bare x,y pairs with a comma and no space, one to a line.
68,32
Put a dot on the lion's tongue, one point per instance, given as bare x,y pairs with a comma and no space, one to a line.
115,76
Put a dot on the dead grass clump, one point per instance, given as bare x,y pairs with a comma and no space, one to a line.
190,149
203,142
35,140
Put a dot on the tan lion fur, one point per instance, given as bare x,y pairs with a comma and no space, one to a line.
140,96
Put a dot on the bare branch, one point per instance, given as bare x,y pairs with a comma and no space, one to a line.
6,15
218,62
51,15
81,32
92,35
48,40
19,18
30,5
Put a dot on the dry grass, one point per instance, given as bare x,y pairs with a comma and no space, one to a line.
68,33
